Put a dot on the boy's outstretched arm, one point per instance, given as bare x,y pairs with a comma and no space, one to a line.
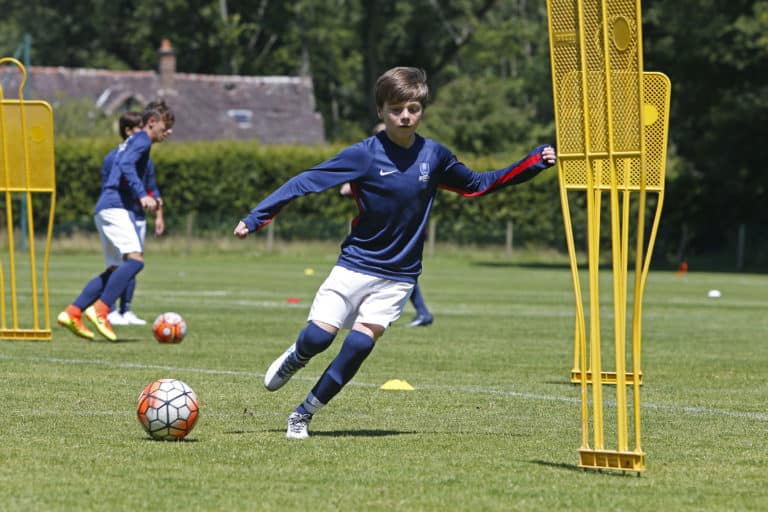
345,166
465,181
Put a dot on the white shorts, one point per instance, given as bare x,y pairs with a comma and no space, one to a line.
347,297
120,234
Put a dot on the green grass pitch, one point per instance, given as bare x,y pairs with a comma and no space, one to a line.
493,423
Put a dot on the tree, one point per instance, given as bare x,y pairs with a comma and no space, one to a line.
715,53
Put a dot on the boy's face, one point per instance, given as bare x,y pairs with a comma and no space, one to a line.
401,119
157,130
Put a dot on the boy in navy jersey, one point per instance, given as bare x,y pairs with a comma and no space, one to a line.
129,124
394,176
423,317
124,186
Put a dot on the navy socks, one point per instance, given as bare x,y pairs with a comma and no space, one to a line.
120,279
355,349
92,290
127,296
311,341
418,301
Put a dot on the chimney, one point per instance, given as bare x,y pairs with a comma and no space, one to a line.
166,65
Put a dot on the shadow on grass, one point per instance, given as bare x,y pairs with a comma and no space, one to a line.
171,441
335,433
518,264
720,267
105,341
562,383
574,467
557,465
582,266
362,433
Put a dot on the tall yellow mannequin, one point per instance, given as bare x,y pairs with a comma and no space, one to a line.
26,172
612,121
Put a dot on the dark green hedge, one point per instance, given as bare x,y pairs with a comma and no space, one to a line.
208,187
215,181
213,185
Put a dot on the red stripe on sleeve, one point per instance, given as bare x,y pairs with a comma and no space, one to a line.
511,174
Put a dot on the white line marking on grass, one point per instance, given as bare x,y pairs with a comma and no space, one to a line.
687,409
693,410
194,293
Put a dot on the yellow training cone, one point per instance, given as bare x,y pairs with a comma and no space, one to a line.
396,385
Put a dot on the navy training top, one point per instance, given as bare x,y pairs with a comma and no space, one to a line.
130,176
125,192
394,189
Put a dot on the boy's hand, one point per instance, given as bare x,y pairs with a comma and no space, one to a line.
159,225
548,155
241,230
159,220
149,203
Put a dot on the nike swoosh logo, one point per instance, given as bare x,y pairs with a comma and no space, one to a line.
382,172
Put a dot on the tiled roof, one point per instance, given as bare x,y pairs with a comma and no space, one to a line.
270,109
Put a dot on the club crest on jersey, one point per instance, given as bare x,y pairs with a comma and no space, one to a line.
424,172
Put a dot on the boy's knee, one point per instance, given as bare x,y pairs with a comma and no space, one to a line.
135,265
312,340
356,348
357,345
373,330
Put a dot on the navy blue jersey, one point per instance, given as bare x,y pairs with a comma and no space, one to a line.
394,189
152,188
127,175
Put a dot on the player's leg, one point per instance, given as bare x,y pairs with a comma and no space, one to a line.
334,307
71,317
423,316
119,280
312,340
127,296
127,314
382,306
355,349
327,315
117,314
118,225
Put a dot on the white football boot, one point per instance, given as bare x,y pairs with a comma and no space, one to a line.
115,318
298,426
131,319
282,369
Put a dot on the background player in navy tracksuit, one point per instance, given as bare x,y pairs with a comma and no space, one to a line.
116,225
395,176
128,124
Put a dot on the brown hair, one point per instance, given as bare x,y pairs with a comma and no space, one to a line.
128,121
159,110
401,84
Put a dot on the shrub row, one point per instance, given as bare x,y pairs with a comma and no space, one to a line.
209,186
